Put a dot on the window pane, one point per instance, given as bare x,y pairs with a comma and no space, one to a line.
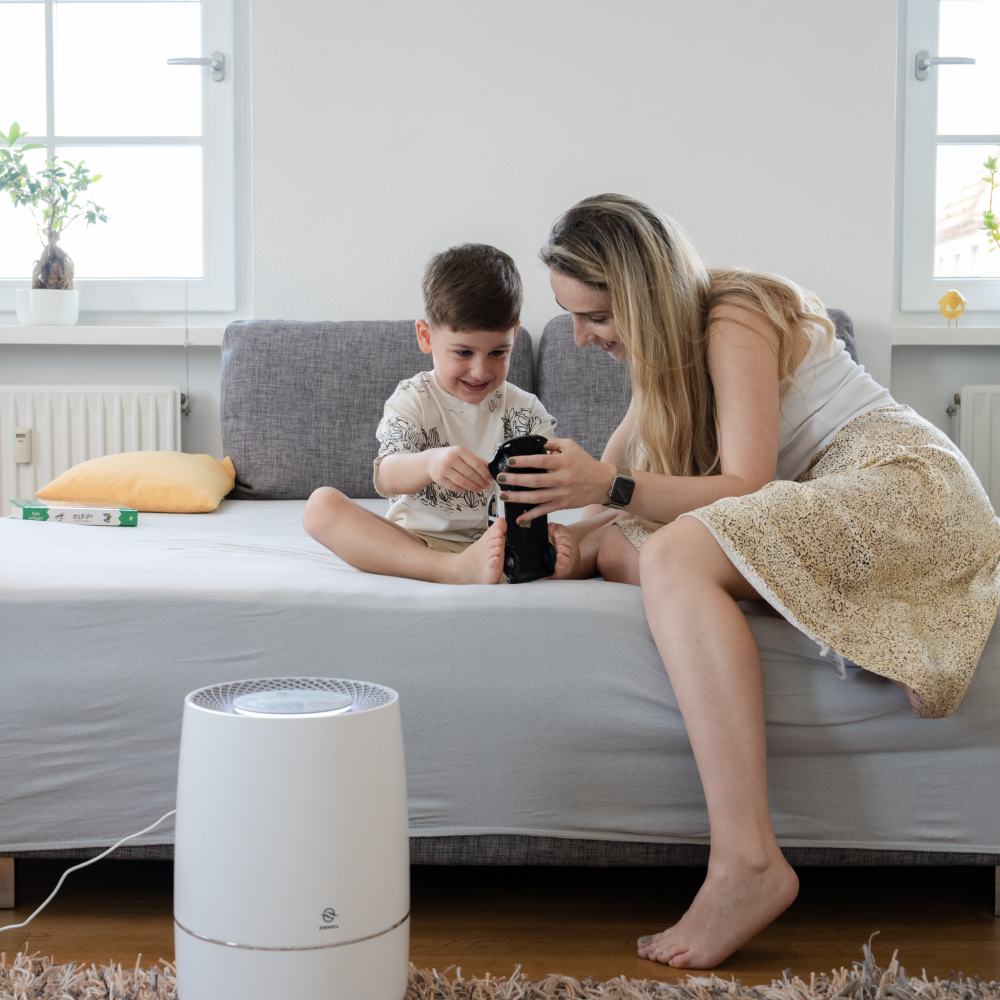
968,102
111,70
22,67
152,195
961,249
19,242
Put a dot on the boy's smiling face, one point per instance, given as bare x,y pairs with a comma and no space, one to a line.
469,364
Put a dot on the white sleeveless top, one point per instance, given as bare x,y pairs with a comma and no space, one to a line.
830,391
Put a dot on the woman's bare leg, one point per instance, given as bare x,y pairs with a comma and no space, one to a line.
374,544
594,546
690,589
618,558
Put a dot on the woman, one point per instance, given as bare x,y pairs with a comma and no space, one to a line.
767,465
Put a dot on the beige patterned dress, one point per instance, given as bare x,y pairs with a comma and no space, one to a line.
885,551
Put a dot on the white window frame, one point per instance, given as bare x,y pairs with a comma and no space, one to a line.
215,291
920,291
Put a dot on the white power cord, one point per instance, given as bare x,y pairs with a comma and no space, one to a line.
131,836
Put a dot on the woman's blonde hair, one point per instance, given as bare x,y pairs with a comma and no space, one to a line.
662,296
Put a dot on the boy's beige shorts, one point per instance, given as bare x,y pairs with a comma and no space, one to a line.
436,544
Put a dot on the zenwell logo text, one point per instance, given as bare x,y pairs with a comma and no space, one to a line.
329,916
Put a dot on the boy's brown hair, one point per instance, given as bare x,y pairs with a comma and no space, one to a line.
472,287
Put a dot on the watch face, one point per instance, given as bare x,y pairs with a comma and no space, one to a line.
621,491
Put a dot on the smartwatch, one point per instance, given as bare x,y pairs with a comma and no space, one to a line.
621,489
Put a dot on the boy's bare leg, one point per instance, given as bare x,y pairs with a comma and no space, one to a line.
372,543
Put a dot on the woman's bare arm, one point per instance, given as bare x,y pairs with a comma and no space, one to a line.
743,363
615,452
617,446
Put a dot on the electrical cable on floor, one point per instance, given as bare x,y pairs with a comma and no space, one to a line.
131,836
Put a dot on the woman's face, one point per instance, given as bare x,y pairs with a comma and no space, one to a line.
593,322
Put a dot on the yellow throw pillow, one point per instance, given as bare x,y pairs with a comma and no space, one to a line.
170,482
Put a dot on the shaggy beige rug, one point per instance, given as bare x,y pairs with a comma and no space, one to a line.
30,977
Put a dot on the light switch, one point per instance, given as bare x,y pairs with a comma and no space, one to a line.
22,445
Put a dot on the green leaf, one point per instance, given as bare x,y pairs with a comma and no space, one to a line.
15,131
4,137
96,178
32,145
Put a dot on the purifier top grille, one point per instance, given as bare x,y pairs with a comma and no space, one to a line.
220,697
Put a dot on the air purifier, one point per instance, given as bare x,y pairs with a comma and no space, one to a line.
291,863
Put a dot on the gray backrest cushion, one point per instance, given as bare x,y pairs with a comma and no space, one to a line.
588,392
845,330
301,401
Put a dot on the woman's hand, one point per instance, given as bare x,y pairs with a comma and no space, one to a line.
572,479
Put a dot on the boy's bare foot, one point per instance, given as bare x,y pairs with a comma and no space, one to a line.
734,903
567,553
482,561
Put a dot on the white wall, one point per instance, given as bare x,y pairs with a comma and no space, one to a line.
387,130
201,434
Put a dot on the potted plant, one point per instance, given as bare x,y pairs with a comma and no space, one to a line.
51,300
990,223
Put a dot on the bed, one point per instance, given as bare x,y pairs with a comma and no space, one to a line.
537,713
539,725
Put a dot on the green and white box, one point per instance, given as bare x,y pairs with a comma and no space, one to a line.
69,512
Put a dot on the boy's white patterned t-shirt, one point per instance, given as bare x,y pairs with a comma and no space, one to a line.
420,415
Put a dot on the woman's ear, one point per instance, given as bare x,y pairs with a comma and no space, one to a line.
424,335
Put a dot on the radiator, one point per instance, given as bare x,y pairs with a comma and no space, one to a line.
71,423
979,435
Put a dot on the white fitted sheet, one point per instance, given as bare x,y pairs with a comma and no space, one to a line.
536,709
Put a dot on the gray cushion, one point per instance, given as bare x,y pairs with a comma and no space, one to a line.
301,401
588,392
845,330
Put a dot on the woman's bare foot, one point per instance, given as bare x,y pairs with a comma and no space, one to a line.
915,699
735,902
567,553
482,561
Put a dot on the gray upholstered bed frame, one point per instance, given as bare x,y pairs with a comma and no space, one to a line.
342,444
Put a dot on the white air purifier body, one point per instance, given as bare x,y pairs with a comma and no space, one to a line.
291,863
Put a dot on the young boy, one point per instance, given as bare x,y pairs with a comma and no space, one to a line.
439,430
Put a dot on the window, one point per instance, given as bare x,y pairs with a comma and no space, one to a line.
91,81
952,123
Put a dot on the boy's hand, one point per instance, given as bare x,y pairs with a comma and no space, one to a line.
459,469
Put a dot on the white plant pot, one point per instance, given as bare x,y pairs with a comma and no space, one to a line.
48,306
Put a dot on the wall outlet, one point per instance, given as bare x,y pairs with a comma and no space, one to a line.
22,445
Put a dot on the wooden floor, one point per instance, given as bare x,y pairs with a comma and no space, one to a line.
581,922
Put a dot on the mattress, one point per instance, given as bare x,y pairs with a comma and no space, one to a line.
539,710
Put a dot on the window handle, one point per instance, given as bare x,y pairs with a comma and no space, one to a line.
217,61
925,60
